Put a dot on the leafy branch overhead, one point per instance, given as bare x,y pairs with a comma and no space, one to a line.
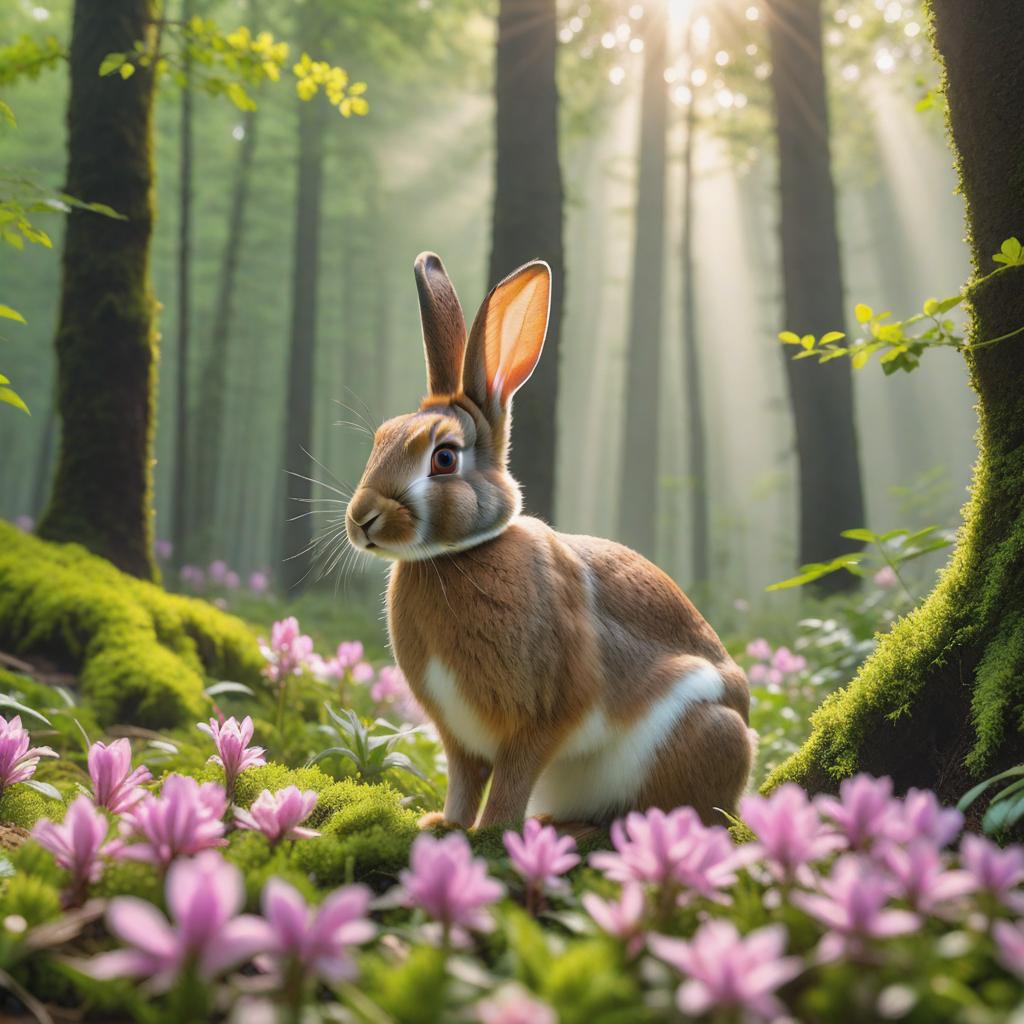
234,63
900,343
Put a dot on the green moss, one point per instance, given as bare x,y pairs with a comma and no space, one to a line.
130,878
23,807
28,896
141,654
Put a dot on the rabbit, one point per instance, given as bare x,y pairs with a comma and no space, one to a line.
569,670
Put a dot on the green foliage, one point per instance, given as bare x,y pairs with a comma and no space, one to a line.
894,548
1006,808
902,342
370,748
140,654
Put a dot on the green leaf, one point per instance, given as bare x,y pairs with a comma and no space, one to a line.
8,115
241,99
11,397
1010,252
11,314
807,341
861,534
860,358
22,709
227,686
831,336
789,338
862,313
111,63
816,570
975,791
44,788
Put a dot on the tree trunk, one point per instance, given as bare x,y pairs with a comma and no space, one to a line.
181,493
106,340
639,473
942,699
208,440
528,220
700,539
831,497
296,533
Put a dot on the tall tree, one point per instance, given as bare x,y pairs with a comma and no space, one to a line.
831,495
941,701
527,220
106,341
296,532
696,440
639,473
181,489
207,442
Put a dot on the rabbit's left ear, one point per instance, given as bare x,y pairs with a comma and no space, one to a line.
444,326
507,337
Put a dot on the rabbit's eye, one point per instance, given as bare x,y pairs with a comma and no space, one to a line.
444,461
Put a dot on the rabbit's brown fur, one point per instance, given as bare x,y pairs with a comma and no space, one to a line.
570,668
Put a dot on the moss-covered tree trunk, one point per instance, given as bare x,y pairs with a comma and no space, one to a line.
106,340
831,496
941,702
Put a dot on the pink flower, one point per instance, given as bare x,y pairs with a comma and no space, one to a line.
259,582
865,811
163,549
350,652
853,904
25,523
184,819
1010,945
921,877
673,848
997,873
390,685
885,578
789,831
446,881
725,970
623,919
512,1004
217,570
204,896
77,843
192,576
923,817
234,754
114,784
362,673
315,940
288,652
788,663
18,761
232,580
759,649
540,855
279,815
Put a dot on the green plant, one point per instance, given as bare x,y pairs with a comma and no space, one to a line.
370,747
1006,808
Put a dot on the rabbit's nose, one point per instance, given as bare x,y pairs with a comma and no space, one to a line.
366,524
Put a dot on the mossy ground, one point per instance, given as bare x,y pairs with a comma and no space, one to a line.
141,656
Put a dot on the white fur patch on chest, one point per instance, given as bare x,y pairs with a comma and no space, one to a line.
601,767
456,714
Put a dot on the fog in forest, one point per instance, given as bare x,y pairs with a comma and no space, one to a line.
418,173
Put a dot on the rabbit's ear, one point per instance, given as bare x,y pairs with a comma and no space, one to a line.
507,337
444,326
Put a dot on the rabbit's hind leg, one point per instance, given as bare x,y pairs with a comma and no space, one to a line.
704,764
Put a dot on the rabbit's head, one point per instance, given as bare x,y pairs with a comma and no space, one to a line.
437,479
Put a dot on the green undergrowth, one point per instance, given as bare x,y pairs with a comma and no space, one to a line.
140,655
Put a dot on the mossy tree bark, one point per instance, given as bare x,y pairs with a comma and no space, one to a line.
106,340
941,702
831,495
527,220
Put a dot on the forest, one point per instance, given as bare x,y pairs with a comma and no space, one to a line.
308,713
